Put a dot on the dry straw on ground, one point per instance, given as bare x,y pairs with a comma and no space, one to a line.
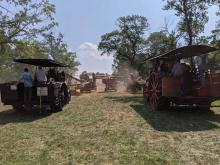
110,128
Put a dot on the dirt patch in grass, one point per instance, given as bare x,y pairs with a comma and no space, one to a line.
110,128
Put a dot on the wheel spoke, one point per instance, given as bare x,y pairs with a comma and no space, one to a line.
153,91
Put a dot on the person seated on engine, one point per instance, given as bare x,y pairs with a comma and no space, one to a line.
177,70
187,80
163,69
40,75
155,68
52,74
201,64
63,76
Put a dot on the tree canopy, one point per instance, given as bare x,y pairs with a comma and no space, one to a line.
127,43
27,20
58,50
193,17
161,42
130,46
25,32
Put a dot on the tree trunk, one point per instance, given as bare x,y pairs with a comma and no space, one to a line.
188,26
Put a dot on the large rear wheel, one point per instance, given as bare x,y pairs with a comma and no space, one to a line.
154,91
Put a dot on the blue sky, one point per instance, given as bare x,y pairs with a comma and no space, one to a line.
83,22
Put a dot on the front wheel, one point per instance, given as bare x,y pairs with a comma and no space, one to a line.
65,94
56,106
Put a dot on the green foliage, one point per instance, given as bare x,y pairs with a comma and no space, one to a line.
58,50
23,28
21,24
25,20
214,58
10,70
193,17
129,46
127,43
84,76
161,42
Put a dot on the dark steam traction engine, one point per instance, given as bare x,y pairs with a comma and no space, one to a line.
53,93
167,92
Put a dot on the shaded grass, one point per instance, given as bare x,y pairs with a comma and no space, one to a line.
180,120
109,128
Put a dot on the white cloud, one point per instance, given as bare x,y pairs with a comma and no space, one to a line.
91,59
90,49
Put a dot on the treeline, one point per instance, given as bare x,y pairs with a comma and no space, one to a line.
129,44
25,32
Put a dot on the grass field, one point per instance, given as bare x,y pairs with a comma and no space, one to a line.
108,129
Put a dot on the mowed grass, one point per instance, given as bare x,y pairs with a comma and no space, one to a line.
110,128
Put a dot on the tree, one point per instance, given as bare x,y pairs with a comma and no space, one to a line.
24,34
25,21
21,24
127,43
161,42
214,40
214,58
215,37
84,76
8,69
193,17
55,47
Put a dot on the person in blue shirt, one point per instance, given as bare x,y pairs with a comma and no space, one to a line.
27,79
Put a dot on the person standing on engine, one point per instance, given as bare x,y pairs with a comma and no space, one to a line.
201,64
40,75
26,78
177,70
